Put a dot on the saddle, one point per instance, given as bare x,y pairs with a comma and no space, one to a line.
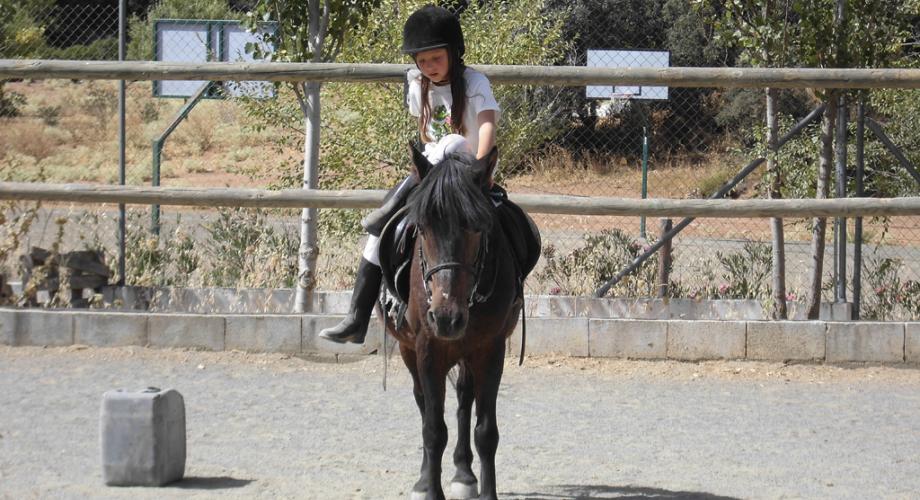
397,241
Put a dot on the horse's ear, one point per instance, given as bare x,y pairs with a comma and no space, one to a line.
485,167
420,165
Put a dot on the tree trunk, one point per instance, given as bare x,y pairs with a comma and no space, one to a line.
308,251
776,225
310,105
820,224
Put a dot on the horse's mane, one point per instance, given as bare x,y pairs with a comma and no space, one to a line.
450,198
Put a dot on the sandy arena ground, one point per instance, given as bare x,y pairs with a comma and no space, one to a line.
274,426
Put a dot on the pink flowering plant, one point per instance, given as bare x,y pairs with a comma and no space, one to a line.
601,257
736,275
885,295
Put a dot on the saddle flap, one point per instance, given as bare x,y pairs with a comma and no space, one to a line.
522,234
395,252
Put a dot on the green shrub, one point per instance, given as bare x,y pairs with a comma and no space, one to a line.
600,258
245,250
11,103
746,274
50,115
100,102
99,50
150,110
22,34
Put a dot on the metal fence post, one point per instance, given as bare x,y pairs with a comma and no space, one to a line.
122,216
841,222
858,222
664,260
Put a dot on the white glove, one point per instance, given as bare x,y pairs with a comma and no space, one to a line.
436,151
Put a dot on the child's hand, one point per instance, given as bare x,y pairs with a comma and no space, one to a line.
451,143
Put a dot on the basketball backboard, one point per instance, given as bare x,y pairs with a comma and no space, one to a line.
627,59
202,40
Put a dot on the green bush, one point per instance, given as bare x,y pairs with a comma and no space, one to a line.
100,102
600,258
746,274
100,50
22,35
245,250
50,115
898,110
11,103
242,249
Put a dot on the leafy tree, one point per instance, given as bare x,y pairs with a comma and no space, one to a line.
762,31
812,33
308,31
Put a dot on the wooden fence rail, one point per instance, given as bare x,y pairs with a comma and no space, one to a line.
548,204
846,78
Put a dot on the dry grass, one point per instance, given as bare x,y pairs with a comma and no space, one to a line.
28,139
679,176
210,148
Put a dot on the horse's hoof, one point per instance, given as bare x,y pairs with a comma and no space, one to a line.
417,495
461,491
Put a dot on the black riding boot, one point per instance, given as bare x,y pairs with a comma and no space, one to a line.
375,221
354,327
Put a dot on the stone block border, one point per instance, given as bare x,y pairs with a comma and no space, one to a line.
577,336
280,301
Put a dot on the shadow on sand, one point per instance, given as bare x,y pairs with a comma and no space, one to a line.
586,492
210,483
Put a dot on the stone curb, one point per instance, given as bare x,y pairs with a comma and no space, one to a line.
573,335
211,301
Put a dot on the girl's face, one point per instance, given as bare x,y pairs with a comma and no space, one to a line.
434,64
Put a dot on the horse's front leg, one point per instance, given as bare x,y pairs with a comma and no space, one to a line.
432,374
488,377
411,360
463,485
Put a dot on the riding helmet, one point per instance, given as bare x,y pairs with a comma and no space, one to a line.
432,27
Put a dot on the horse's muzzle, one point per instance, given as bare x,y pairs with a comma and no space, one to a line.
448,324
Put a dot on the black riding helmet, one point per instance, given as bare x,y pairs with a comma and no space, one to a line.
433,27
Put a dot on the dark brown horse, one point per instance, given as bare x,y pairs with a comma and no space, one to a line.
464,301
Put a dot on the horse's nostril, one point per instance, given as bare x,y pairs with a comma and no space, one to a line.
458,321
431,318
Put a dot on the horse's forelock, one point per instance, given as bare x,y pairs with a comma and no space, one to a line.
449,198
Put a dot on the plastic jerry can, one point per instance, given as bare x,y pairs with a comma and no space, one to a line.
142,437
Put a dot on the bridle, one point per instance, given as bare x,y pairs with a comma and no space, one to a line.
475,270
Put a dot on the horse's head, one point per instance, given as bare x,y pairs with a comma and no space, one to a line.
454,216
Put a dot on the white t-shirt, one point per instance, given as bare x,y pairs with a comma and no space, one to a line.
478,98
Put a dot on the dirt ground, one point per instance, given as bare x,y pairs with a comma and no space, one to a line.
276,426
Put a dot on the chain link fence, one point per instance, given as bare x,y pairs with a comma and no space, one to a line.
621,141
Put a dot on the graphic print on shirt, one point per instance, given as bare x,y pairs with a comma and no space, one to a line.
440,123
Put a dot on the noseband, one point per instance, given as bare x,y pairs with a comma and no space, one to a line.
475,270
